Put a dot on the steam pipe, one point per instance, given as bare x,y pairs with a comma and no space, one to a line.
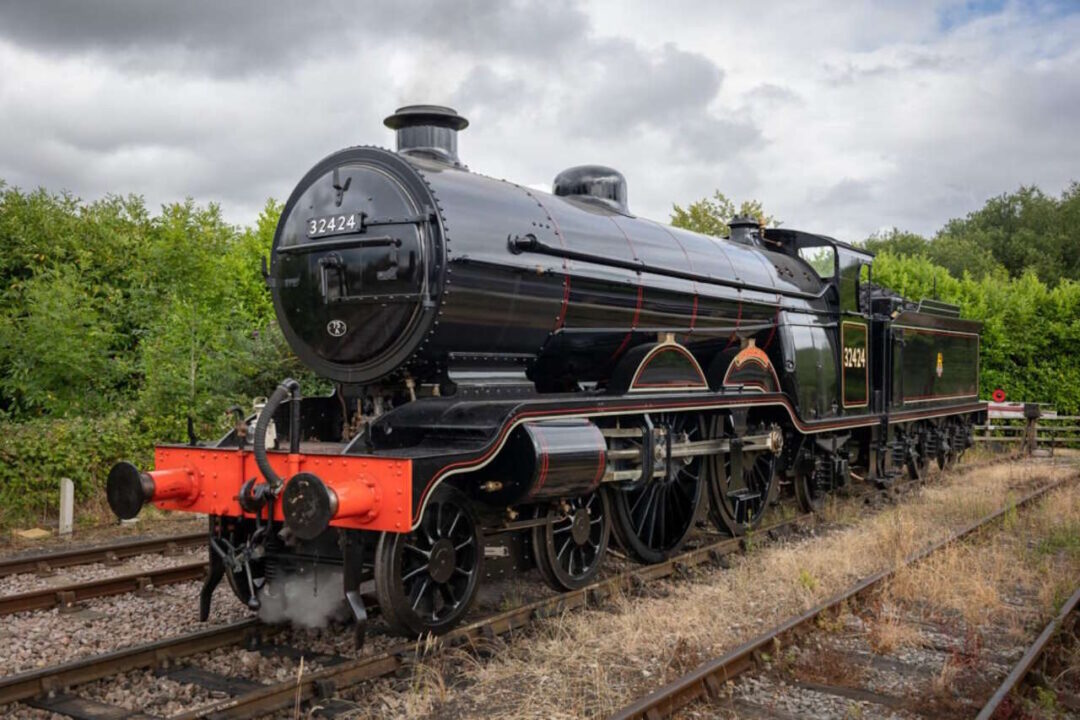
294,422
287,388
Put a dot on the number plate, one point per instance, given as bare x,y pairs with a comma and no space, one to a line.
328,225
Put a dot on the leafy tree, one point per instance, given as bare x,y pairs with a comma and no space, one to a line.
897,242
961,255
711,215
1013,233
1021,231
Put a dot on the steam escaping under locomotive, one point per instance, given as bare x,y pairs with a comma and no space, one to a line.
521,376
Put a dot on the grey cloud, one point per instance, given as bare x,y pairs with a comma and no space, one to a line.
771,93
233,103
628,87
225,103
624,89
846,192
707,139
508,27
869,65
220,37
232,38
485,93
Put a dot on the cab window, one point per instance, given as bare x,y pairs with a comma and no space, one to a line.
821,259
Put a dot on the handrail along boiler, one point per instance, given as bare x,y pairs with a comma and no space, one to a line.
521,375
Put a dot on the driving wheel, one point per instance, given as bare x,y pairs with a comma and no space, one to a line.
738,499
653,517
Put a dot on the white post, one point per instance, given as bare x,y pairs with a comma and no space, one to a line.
67,506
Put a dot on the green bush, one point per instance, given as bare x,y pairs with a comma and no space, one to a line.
35,454
1031,332
104,307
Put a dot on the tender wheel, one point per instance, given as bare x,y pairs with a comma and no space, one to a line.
570,548
737,501
652,520
426,580
808,493
918,461
961,440
946,455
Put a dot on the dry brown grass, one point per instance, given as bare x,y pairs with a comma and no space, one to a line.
889,631
587,664
974,581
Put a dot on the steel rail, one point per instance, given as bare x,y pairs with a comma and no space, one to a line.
48,561
706,681
1024,664
36,683
67,595
327,681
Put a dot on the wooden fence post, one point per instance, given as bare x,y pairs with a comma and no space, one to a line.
1031,415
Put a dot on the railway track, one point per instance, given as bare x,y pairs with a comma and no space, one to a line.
48,688
1016,676
754,660
55,679
67,596
46,563
322,685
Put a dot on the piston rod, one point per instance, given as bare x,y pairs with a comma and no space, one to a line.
769,442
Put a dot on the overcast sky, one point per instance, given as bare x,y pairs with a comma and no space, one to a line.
839,120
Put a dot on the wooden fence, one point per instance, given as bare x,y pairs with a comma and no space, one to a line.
1030,426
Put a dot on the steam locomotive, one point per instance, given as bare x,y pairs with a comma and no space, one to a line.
521,375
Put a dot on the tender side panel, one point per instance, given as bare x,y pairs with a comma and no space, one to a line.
936,363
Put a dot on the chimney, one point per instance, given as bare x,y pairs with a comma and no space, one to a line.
428,131
745,230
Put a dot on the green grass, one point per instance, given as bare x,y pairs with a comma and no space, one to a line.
1061,539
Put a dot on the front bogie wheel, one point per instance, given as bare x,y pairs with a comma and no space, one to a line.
426,580
570,547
